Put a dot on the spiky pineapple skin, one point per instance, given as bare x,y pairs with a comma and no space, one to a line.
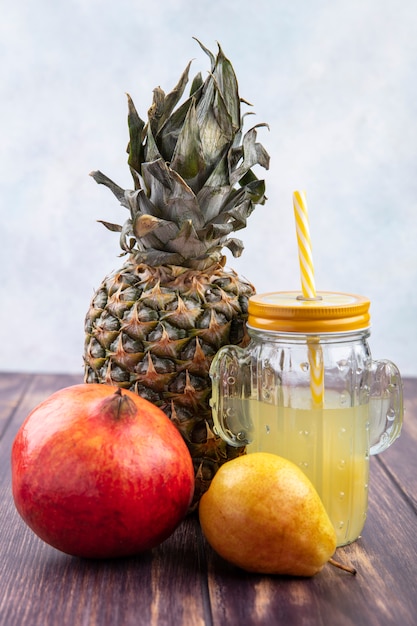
155,330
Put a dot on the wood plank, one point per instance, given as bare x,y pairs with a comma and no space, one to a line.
169,585
179,579
12,389
161,587
40,585
381,594
393,459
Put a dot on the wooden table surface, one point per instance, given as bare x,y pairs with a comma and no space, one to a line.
182,582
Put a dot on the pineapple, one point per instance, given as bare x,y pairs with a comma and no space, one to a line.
154,325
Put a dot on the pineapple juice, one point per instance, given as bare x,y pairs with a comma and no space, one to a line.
330,445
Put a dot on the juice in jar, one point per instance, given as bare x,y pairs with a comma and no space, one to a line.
331,446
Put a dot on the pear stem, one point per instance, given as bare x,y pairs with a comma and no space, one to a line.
346,568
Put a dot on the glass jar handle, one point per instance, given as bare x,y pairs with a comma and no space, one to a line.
385,405
231,381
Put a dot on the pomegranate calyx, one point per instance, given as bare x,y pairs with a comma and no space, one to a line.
118,407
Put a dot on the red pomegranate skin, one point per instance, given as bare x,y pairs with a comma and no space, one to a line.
99,473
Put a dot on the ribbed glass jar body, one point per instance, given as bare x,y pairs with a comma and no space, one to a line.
318,400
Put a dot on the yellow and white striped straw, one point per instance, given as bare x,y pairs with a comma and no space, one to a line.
305,257
315,360
308,287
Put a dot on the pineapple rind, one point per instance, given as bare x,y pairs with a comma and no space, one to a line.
155,331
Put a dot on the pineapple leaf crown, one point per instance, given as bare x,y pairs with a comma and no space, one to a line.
192,172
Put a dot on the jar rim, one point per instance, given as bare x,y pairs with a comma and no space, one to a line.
288,311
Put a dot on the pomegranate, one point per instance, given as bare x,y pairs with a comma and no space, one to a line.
99,472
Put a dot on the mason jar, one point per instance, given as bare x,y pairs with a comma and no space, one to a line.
306,388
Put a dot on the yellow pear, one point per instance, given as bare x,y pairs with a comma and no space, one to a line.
263,514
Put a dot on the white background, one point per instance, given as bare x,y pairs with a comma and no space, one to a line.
335,80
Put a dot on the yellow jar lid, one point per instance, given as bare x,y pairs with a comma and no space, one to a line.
289,312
